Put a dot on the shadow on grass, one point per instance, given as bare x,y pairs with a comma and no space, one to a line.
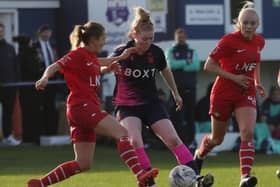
32,159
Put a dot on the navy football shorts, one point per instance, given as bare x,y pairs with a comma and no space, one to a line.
148,113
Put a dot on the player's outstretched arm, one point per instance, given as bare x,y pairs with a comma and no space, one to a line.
109,60
113,67
49,72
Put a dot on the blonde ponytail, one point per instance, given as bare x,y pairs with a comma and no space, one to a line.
141,22
76,36
248,6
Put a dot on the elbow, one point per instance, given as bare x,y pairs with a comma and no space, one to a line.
206,67
210,65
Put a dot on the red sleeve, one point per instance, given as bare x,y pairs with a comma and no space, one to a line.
223,49
262,42
69,61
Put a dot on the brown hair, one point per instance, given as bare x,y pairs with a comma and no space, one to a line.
83,33
43,28
2,25
248,6
141,22
179,31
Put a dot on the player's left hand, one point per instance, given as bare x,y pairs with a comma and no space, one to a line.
179,102
41,83
261,90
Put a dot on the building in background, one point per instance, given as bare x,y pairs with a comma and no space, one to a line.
205,20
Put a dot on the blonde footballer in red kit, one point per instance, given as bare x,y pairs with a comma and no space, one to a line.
236,62
81,70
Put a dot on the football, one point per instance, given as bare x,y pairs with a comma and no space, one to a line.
278,173
182,176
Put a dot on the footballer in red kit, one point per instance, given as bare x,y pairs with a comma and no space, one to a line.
81,69
236,63
83,80
236,55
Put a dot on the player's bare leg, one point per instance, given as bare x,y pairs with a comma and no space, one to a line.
110,127
210,141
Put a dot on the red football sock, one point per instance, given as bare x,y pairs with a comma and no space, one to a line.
205,147
61,172
128,155
246,157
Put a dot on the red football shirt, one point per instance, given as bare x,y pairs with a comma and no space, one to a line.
237,55
82,75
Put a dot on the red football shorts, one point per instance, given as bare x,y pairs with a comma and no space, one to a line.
222,106
83,119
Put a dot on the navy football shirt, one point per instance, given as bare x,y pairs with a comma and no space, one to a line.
136,84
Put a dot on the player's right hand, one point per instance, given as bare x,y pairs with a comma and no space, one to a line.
41,83
115,67
179,102
243,80
127,52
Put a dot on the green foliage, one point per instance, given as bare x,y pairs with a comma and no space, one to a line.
18,164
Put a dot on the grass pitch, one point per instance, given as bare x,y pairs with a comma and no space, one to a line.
18,164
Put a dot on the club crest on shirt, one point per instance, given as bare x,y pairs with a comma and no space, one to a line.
131,58
117,11
252,100
150,58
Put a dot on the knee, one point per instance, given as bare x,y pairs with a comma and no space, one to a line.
136,143
247,135
121,132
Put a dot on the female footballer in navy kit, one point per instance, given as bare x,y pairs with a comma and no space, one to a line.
136,94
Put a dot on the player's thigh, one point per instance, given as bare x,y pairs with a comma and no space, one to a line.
131,119
84,152
86,115
165,130
110,127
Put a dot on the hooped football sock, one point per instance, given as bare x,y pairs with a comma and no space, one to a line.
246,157
61,172
128,155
